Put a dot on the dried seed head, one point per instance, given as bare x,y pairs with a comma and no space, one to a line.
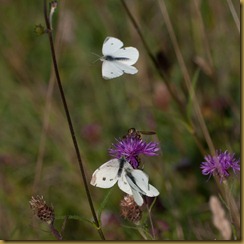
42,210
130,210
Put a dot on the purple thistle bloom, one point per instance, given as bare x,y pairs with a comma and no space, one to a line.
220,164
131,147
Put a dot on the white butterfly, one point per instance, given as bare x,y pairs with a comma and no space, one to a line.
117,60
131,181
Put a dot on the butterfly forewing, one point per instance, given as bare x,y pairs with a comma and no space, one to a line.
106,175
138,181
141,179
123,184
127,55
111,45
111,172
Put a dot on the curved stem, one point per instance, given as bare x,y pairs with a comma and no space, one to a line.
186,77
164,77
234,14
49,31
154,61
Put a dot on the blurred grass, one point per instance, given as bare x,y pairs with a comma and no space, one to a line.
104,110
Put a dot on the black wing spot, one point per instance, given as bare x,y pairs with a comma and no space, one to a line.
111,179
104,178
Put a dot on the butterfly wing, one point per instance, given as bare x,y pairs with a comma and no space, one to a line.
136,191
106,175
138,180
142,182
130,55
137,197
152,191
125,68
110,70
124,185
111,45
122,182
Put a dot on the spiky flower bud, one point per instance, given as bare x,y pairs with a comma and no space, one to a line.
42,210
130,210
39,29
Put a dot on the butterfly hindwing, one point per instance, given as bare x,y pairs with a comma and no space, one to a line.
125,68
152,192
110,70
137,197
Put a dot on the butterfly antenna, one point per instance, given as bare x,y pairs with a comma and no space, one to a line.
96,59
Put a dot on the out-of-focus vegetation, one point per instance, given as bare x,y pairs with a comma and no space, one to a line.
43,161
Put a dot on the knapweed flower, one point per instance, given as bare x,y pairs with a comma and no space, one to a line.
220,164
131,147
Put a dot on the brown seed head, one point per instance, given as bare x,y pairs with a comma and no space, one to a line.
42,210
130,210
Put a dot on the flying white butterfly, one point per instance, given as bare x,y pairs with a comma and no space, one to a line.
131,181
117,60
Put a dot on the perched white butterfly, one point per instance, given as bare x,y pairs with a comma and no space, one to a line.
117,59
139,184
131,181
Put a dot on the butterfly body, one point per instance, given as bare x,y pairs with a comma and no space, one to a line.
111,58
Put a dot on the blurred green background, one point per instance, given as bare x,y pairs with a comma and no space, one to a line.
43,161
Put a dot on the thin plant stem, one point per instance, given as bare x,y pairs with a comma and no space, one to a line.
154,61
149,209
46,115
164,77
142,233
234,14
186,76
42,144
203,32
49,31
229,201
47,109
55,232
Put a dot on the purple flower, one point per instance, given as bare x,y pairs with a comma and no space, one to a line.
220,164
131,147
